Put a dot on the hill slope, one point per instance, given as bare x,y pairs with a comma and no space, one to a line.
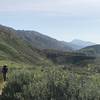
43,42
64,58
14,48
92,50
33,48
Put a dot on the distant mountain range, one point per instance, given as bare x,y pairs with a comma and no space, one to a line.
34,48
41,41
77,44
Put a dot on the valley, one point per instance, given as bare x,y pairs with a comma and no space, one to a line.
43,68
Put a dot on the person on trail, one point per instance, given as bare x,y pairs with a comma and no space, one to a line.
4,72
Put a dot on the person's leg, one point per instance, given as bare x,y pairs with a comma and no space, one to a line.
4,77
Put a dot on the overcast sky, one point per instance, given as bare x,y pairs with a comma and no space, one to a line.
61,19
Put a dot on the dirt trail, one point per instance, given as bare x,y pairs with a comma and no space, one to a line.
2,84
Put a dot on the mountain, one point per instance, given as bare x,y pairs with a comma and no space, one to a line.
91,50
13,48
41,41
31,47
79,44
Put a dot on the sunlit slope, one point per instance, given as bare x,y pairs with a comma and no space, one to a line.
14,48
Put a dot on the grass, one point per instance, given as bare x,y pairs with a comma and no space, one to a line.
13,67
42,82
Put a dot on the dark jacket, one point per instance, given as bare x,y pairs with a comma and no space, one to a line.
4,70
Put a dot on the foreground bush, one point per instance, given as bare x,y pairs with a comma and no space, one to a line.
51,84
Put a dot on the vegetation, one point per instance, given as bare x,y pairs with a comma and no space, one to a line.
91,50
41,41
46,74
52,83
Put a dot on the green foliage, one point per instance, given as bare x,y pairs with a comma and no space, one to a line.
60,80
92,50
52,83
14,48
74,58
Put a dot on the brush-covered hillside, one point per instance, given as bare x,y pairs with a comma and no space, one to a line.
65,58
41,41
92,50
33,47
13,48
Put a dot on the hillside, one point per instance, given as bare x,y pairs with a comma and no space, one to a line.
34,48
41,41
91,50
64,58
15,49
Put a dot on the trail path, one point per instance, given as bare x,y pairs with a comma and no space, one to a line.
2,84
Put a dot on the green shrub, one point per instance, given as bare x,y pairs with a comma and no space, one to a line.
51,84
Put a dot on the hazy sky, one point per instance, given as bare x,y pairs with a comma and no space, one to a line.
61,19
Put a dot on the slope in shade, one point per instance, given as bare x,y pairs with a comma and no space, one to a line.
43,42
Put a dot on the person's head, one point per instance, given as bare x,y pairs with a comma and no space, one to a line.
4,66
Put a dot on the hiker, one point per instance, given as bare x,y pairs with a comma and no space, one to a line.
4,72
